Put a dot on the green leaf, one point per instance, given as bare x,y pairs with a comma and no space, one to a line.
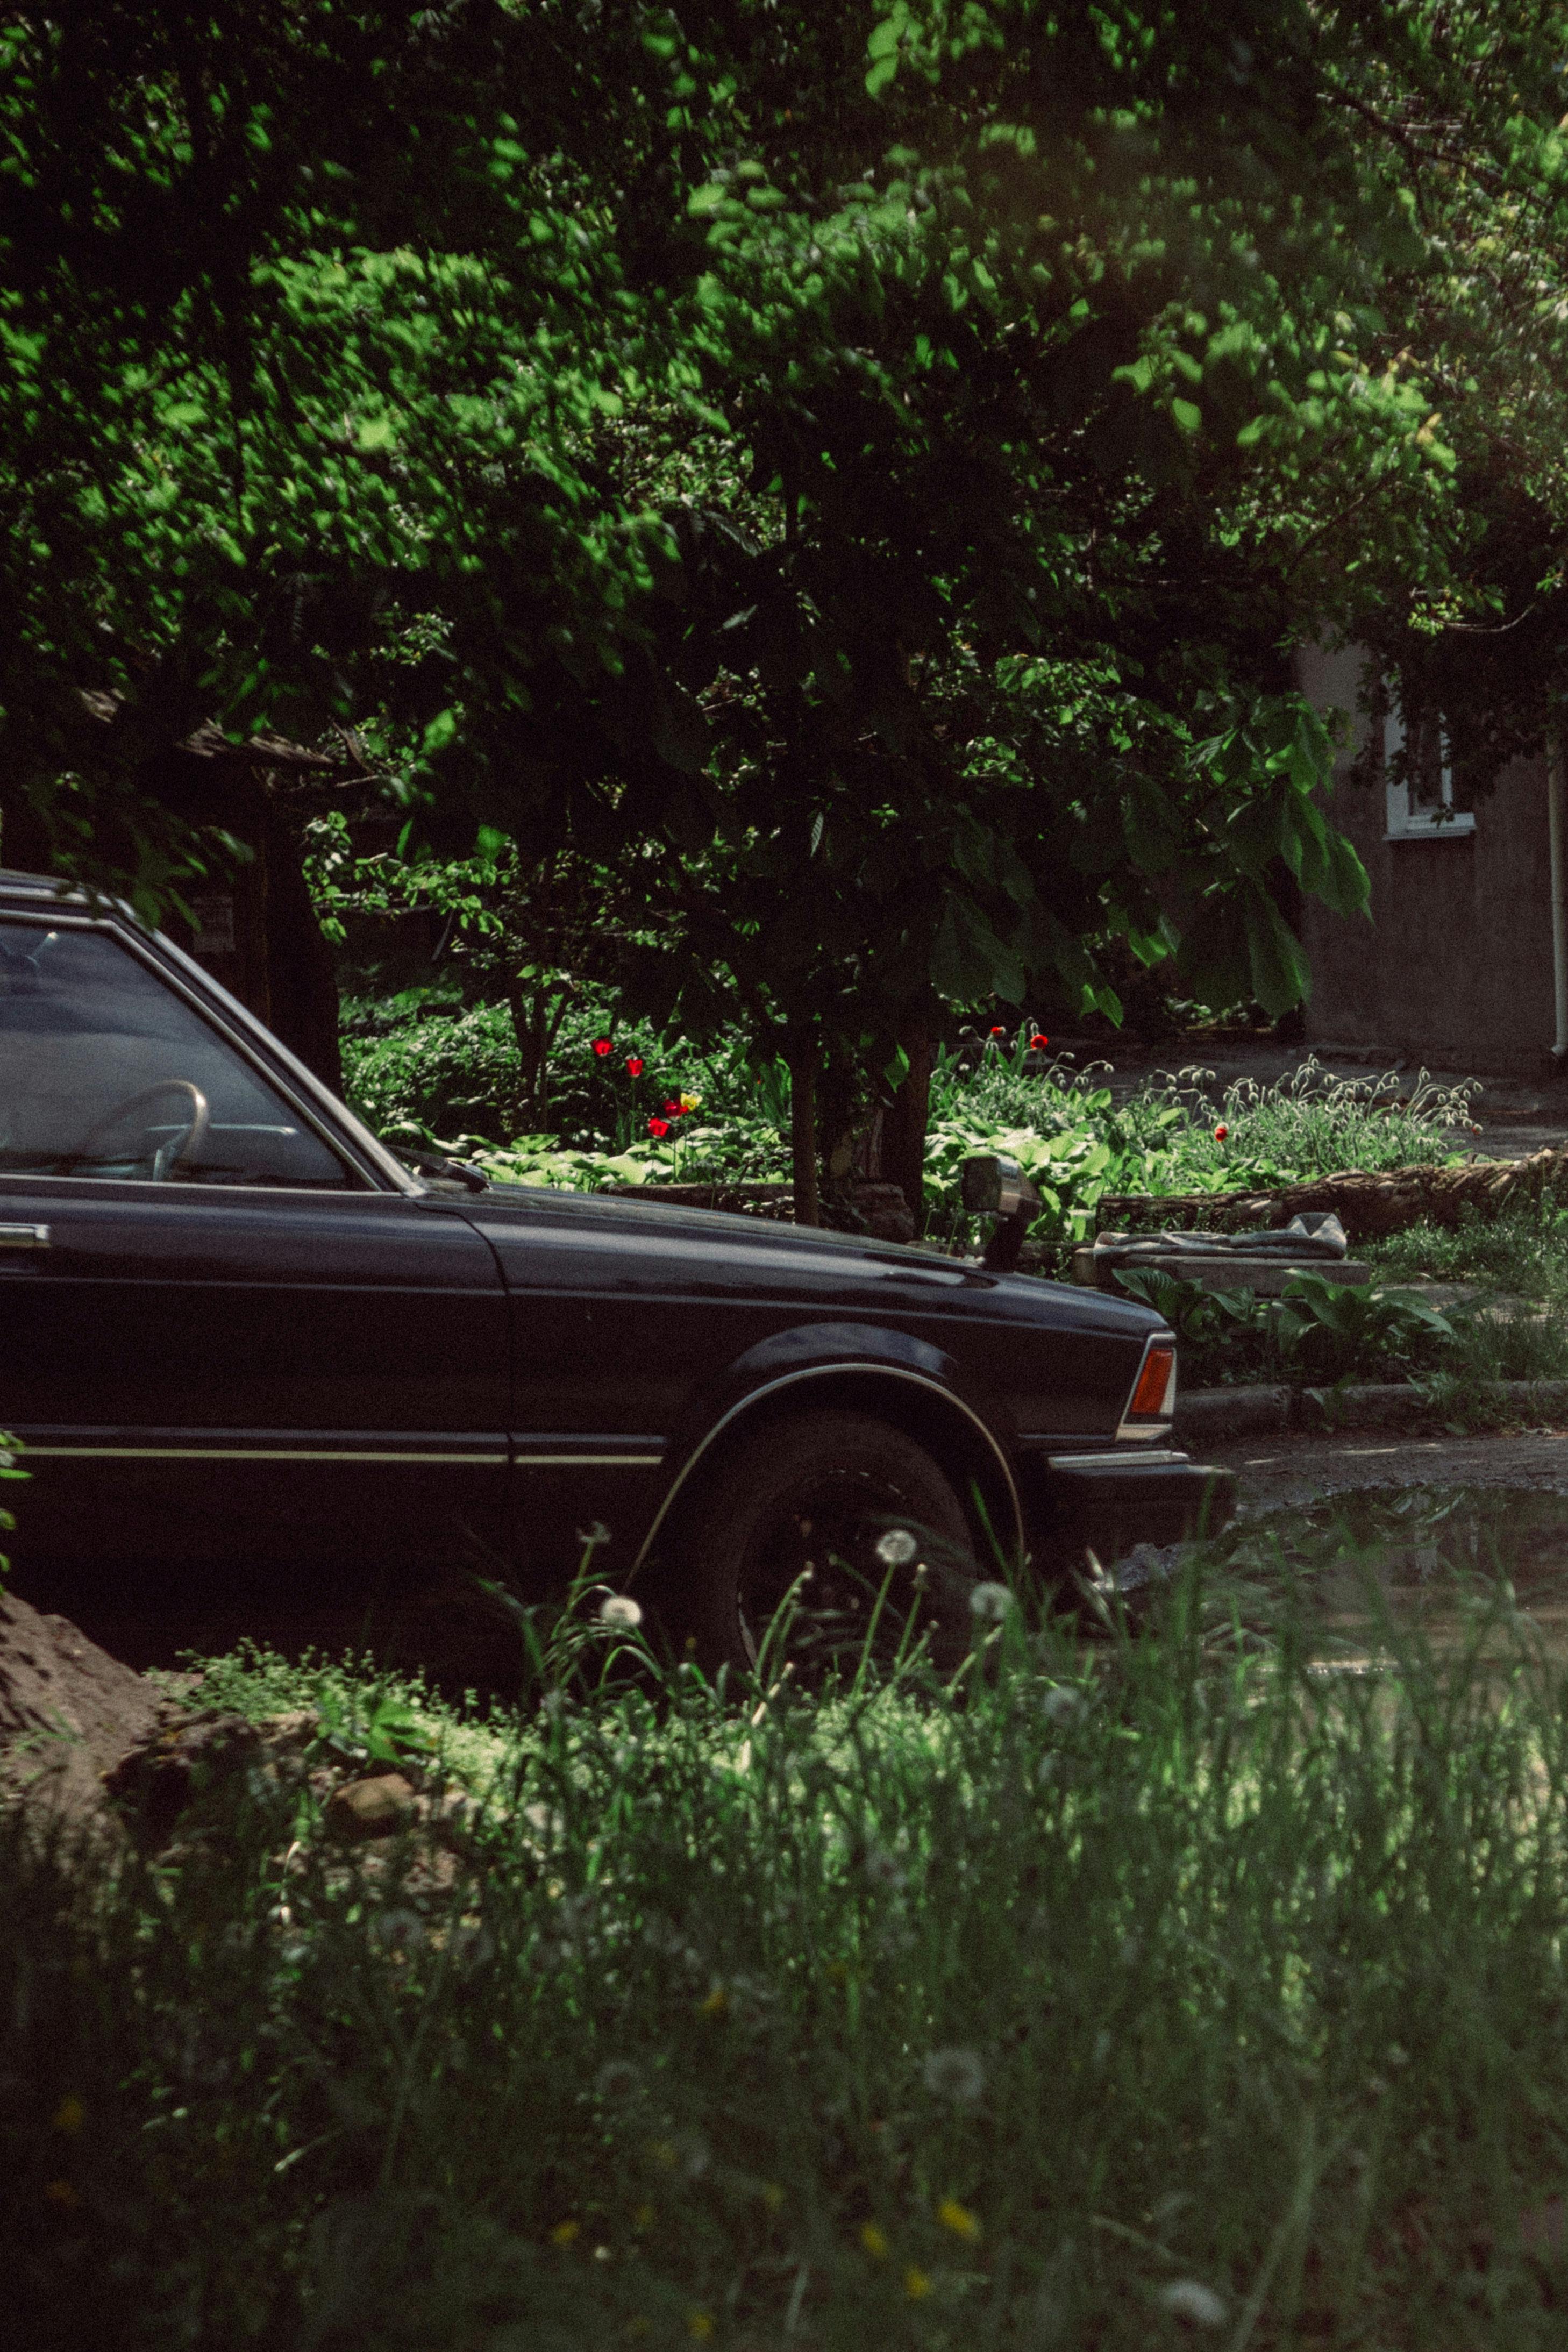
1278,971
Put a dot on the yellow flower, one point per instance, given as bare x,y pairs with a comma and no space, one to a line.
68,2116
916,2283
701,2324
717,2002
565,2233
874,2242
691,1102
61,2193
958,2219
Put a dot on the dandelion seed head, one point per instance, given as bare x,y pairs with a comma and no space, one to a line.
618,2078
398,1930
620,1611
473,1946
1062,1703
956,2075
883,1869
990,1603
897,1547
1191,2300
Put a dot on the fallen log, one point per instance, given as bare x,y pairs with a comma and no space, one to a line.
1367,1202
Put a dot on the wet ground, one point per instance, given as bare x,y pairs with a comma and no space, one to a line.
1462,1542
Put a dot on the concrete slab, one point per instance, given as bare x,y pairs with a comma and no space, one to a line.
1265,1276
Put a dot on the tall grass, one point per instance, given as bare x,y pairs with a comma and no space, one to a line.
1124,1988
1307,1123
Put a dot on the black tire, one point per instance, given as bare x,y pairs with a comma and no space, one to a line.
819,1493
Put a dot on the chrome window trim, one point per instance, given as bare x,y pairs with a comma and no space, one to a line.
829,1371
230,1022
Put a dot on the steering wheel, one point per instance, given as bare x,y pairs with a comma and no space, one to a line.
168,1156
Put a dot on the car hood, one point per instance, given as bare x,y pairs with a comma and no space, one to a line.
849,1261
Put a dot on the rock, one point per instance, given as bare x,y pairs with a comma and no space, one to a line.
453,1820
376,1807
153,1782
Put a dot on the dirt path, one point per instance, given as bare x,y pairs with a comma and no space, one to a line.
1290,1473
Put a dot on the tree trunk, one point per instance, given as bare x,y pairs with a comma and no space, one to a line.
1367,1204
803,1137
903,1139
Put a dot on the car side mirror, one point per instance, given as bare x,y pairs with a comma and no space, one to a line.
995,1186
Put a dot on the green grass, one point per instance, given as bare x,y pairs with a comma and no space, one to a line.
922,2017
1524,1251
423,1073
1309,1123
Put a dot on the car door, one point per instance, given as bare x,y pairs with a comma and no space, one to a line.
223,1345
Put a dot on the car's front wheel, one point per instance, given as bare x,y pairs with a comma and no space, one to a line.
815,1538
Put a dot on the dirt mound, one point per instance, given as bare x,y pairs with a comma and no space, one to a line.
68,1712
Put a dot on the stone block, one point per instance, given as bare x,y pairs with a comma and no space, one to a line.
1265,1277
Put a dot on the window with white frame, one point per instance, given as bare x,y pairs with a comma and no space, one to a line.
1418,780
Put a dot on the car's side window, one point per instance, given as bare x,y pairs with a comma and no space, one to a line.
105,1071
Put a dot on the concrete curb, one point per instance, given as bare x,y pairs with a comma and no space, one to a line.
1208,1415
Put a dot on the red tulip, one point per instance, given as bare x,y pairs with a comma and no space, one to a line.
1038,1043
1221,1131
658,1127
672,1109
602,1046
998,1032
634,1064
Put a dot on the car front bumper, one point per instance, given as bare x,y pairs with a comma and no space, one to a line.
1107,1502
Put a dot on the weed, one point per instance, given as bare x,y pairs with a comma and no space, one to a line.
1018,2014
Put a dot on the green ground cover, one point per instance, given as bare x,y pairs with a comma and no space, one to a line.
1133,1988
441,1076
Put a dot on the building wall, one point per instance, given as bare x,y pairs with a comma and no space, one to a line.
1455,969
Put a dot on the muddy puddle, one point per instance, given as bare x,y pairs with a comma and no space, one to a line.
1367,1577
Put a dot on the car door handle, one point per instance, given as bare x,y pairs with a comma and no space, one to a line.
24,1237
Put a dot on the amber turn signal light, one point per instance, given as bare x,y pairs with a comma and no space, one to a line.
1149,1396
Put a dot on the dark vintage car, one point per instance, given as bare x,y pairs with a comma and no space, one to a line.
240,1341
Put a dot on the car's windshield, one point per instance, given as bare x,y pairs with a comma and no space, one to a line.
106,1071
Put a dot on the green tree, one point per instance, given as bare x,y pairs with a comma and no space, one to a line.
873,461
